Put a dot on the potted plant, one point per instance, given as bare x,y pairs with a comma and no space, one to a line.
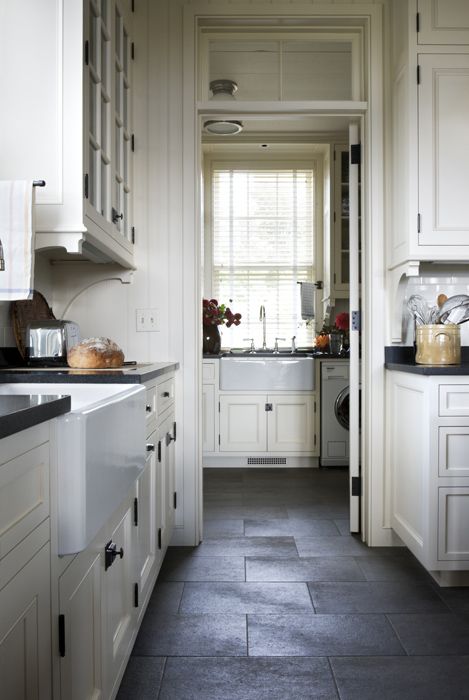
214,315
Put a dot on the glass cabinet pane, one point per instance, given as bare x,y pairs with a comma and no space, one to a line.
316,70
93,126
104,189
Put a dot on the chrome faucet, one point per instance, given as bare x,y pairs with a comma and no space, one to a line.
276,350
262,318
252,349
293,344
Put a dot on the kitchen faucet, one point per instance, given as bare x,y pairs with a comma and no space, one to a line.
262,318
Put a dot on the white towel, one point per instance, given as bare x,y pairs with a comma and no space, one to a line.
307,300
16,240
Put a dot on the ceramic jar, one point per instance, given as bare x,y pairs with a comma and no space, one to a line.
438,344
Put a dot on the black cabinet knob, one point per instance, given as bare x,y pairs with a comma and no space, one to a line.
166,394
169,439
150,447
148,408
110,553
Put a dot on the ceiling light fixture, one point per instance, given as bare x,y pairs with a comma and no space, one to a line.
223,90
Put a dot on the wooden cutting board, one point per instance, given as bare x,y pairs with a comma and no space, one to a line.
24,312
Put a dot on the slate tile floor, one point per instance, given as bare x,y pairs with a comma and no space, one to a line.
280,602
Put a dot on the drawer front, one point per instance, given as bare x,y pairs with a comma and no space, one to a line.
208,372
453,451
24,496
151,409
164,395
453,524
454,400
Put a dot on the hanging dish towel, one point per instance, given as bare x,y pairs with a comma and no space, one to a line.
307,300
16,240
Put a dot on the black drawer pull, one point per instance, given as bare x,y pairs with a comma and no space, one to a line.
150,447
166,394
110,553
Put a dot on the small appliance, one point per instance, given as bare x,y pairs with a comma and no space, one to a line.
48,341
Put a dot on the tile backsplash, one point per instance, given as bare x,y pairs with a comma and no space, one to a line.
432,281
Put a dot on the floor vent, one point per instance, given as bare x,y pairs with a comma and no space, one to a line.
267,460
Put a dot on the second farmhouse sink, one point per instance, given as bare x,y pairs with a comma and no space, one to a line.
266,373
100,452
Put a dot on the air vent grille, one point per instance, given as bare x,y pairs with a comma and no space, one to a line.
267,460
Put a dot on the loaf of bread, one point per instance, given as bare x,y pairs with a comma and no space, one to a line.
95,353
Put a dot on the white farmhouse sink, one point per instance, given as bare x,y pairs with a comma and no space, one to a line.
267,373
100,450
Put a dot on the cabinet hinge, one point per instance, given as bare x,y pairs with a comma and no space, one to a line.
334,217
62,635
175,500
356,486
87,53
135,511
219,440
86,185
135,595
218,407
418,222
132,51
159,538
355,154
315,406
133,234
334,153
159,451
132,143
174,431
133,5
335,278
417,22
418,75
315,439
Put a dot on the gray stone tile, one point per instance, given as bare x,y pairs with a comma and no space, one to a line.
343,525
166,597
432,635
318,511
248,546
332,547
224,528
142,678
262,598
220,500
215,512
321,635
290,527
406,678
393,568
455,598
377,597
203,569
191,635
247,679
313,569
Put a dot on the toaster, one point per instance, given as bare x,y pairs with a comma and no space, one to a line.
48,341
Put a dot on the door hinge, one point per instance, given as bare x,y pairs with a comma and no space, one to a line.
315,406
356,321
418,222
133,234
334,217
86,185
418,75
132,143
417,22
135,511
356,486
269,407
355,154
136,595
335,278
133,5
159,451
315,439
159,538
87,53
62,635
175,500
132,51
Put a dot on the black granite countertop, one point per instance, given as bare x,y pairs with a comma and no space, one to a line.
314,353
18,412
132,374
402,359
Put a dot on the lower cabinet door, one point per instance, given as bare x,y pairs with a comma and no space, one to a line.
243,423
453,523
291,423
25,635
208,418
80,613
170,476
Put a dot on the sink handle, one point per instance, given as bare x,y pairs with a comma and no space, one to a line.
251,340
276,343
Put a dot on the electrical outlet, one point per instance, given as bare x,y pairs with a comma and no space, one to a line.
147,319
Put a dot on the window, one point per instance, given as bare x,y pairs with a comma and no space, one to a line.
262,245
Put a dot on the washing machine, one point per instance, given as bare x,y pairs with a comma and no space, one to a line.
334,413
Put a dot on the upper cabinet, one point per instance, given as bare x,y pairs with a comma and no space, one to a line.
443,22
71,84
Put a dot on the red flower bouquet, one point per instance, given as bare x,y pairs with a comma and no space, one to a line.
342,321
218,315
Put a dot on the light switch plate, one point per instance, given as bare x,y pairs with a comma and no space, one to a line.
147,320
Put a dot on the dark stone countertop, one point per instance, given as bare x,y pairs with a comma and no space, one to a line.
315,354
402,359
132,374
18,412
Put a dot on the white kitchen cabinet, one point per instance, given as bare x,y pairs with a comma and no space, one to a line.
168,438
72,89
340,253
243,423
208,418
443,21
429,476
25,607
291,423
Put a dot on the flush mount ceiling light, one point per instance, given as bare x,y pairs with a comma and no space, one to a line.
223,90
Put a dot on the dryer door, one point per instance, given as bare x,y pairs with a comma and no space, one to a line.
342,408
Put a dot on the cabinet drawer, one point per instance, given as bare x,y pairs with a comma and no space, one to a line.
208,372
150,408
453,523
24,496
453,449
454,400
164,395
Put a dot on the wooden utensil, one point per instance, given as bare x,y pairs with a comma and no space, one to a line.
441,300
24,312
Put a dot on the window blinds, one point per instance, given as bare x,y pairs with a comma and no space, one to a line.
262,242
